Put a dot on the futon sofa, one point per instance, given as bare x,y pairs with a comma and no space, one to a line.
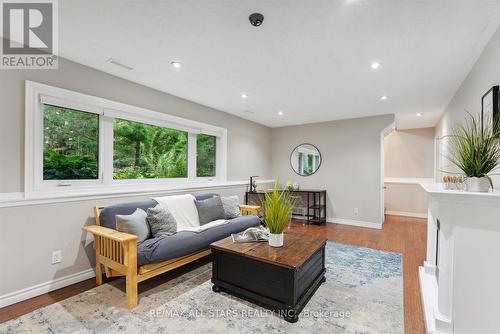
122,255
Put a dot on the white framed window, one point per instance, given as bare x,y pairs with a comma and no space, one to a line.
81,143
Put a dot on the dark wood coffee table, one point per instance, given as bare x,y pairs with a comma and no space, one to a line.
282,278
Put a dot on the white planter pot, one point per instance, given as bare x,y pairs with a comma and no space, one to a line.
275,240
478,184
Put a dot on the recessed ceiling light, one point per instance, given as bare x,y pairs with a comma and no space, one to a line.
375,65
176,64
383,97
280,113
244,95
419,114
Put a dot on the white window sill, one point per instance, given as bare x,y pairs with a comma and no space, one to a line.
116,191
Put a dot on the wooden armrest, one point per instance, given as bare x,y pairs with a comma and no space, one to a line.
249,209
109,233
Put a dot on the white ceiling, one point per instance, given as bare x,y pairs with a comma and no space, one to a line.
310,59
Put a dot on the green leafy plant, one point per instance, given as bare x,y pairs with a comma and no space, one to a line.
474,147
148,151
140,151
278,206
68,167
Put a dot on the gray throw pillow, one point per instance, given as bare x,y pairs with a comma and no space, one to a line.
231,205
210,209
134,224
161,221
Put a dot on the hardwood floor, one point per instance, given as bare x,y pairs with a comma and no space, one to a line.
400,234
403,235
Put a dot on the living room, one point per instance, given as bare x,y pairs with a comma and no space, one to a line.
249,166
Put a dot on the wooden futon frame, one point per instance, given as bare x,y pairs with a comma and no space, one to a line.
117,252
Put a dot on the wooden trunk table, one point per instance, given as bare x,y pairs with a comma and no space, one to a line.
283,278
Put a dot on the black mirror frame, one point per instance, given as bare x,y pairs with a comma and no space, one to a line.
320,159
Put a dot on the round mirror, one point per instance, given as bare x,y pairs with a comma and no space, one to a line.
305,159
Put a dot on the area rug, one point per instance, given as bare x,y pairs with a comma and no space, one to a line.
363,293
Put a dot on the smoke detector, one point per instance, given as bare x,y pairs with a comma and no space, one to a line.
256,19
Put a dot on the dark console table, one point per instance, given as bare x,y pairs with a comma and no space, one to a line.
315,202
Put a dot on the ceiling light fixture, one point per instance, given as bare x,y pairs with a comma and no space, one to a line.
244,95
280,113
176,64
116,63
419,114
375,65
383,97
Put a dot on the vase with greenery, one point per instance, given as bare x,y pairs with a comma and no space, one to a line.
475,151
277,209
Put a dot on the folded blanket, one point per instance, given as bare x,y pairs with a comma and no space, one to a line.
183,209
206,226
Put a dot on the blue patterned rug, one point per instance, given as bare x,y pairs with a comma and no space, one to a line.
363,294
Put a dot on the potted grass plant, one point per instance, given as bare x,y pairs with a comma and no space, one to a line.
475,151
277,209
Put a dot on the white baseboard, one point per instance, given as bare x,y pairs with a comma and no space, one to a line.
40,289
353,222
406,214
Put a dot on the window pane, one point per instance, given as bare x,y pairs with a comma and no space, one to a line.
205,158
142,151
70,149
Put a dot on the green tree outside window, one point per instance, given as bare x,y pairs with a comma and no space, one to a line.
205,158
70,150
143,151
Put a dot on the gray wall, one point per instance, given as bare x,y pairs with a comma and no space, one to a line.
29,234
484,75
351,163
245,138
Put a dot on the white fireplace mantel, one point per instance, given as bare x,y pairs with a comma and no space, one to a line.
460,279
